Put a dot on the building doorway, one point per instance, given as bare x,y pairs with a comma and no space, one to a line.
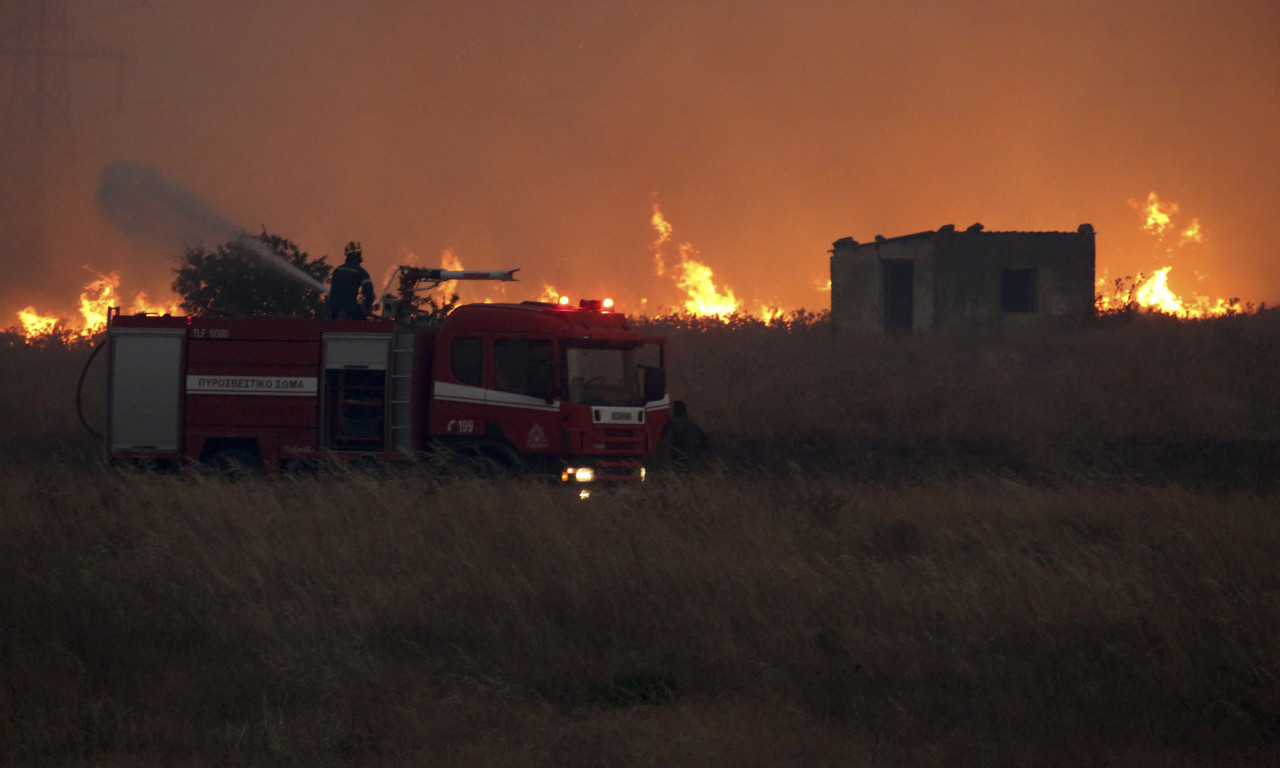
899,278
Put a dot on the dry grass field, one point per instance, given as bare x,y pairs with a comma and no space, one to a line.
1139,397
1015,549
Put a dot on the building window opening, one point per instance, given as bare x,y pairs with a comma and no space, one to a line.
1018,290
899,296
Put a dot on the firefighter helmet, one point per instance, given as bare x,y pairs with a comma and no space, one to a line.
353,250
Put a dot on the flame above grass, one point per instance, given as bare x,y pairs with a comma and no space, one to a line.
1151,291
695,278
97,299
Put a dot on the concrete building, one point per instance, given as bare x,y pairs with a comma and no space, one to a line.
946,278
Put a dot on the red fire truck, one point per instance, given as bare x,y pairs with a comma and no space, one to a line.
574,391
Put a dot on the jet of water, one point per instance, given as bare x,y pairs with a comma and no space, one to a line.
143,203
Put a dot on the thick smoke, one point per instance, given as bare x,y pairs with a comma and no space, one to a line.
144,204
539,136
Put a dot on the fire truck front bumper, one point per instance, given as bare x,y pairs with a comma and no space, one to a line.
596,471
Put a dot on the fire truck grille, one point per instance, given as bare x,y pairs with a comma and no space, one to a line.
620,440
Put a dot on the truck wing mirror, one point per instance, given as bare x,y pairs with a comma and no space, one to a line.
655,383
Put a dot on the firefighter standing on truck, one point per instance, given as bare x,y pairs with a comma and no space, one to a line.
348,284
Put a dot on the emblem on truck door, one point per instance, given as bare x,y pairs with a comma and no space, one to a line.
537,437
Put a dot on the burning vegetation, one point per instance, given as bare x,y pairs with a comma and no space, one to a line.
703,299
692,276
1151,291
99,295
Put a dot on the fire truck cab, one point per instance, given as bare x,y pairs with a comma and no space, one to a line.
575,392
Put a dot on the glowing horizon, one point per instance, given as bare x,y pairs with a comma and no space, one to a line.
703,297
763,131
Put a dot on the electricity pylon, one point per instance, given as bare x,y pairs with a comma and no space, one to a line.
36,50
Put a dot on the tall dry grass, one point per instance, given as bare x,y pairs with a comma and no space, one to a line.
38,385
710,620
984,549
1138,397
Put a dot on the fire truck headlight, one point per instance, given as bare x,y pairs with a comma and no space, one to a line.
643,474
578,475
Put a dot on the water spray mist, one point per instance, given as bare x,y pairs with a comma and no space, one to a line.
143,203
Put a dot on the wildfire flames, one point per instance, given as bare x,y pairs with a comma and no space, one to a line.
692,276
705,298
96,300
449,260
1152,291
1158,220
551,295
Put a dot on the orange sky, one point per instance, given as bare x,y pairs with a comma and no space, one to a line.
540,135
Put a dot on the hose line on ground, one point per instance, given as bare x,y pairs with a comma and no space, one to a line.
80,388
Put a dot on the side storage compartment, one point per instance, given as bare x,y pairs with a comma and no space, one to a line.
144,412
355,391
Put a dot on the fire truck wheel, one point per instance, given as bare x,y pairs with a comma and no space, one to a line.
489,460
236,462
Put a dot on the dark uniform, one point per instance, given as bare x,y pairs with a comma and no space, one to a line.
347,285
688,440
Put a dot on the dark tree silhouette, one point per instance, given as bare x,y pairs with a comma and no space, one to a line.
266,275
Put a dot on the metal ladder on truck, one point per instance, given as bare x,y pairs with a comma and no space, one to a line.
402,340
401,417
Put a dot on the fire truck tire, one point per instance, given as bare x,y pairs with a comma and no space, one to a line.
486,458
490,461
236,462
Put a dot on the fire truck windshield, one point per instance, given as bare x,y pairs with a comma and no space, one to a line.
604,376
